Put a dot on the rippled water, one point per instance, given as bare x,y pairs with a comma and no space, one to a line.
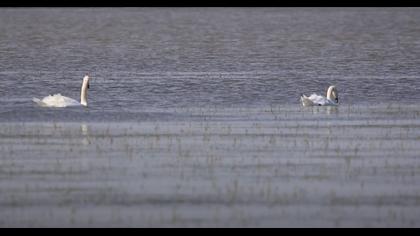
147,59
194,117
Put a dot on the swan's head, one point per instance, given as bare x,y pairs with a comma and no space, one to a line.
332,94
86,81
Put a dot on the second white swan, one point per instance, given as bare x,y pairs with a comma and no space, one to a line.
317,100
60,101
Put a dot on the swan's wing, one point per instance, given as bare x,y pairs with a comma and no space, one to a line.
318,100
39,102
306,102
58,100
321,101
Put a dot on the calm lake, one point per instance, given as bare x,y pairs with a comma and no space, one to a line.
194,118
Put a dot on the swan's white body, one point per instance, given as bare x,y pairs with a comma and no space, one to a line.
58,100
317,100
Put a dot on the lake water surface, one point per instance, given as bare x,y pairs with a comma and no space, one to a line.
194,117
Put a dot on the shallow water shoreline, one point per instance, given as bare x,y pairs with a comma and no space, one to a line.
337,169
194,117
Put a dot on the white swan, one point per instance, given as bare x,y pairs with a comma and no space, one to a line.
316,100
58,100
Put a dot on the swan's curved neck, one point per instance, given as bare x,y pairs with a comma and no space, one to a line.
83,95
332,94
329,93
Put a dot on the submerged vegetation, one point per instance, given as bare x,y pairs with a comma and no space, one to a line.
280,166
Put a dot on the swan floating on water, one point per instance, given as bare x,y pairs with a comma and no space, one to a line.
317,100
58,100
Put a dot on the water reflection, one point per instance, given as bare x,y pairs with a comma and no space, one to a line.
85,134
319,110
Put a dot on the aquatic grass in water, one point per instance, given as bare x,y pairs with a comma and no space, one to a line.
269,169
194,117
